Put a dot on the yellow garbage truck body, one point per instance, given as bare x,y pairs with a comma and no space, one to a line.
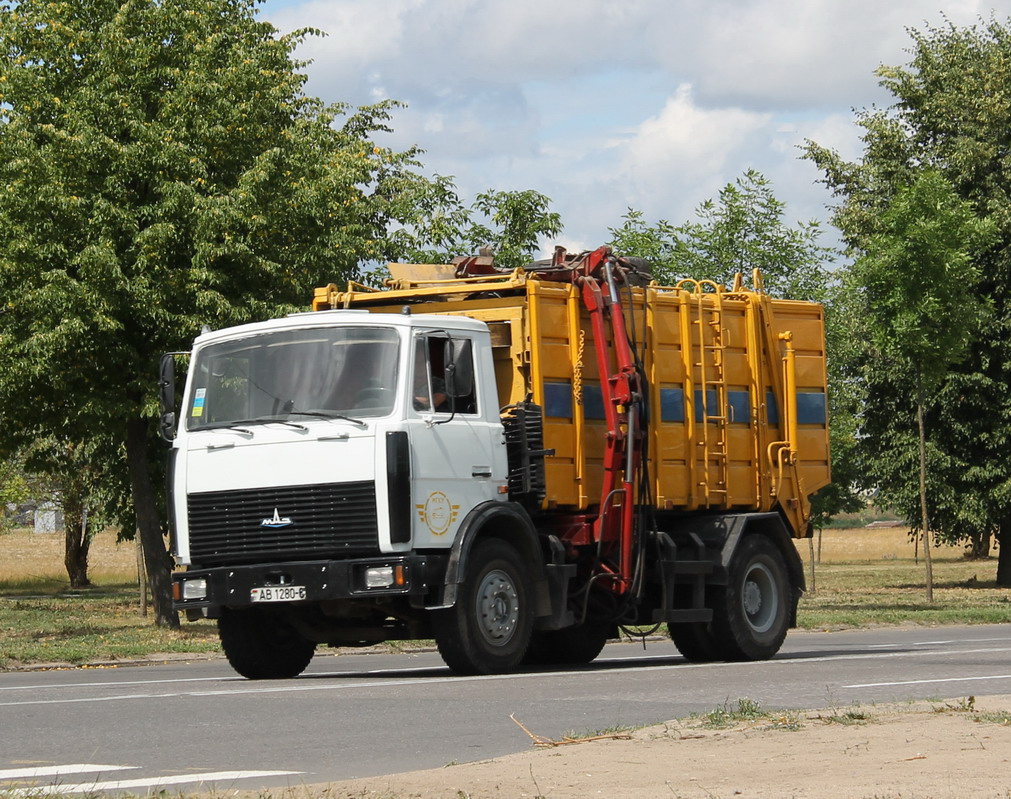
735,382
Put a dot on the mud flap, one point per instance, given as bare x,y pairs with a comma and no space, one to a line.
559,577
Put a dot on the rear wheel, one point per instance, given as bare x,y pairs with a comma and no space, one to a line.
263,646
696,641
571,646
751,617
488,629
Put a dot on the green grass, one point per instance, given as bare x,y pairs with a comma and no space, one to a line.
868,578
968,705
40,623
747,711
1001,717
849,717
893,591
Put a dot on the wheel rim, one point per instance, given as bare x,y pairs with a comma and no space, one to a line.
498,608
759,598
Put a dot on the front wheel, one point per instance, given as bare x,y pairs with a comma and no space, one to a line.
751,616
262,646
488,630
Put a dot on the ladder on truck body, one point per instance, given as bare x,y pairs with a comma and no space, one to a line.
711,427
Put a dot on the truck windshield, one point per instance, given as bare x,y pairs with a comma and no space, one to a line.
327,372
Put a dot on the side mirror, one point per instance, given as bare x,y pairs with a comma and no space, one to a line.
459,368
167,395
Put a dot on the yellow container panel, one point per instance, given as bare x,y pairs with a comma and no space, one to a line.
716,377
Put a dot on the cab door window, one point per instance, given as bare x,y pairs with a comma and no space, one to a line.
443,376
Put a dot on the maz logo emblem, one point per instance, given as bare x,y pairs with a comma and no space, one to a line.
277,521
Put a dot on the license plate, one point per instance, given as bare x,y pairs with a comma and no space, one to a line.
278,593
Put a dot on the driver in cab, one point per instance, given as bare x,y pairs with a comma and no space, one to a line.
439,397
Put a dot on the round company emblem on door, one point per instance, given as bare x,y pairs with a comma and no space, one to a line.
438,513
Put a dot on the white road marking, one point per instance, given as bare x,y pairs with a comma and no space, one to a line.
35,772
379,672
218,679
304,685
927,682
120,785
113,683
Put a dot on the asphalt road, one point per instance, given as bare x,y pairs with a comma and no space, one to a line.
196,725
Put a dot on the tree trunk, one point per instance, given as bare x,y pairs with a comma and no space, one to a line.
76,539
979,545
923,494
157,558
1004,554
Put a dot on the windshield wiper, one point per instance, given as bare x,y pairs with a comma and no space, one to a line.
237,425
330,415
296,425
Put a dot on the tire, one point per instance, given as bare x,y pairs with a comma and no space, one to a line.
696,641
488,630
751,617
261,646
571,646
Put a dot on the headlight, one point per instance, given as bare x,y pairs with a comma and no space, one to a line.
195,589
379,577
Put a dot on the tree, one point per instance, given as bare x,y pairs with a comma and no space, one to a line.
918,285
511,223
13,490
846,401
951,114
741,230
520,219
162,169
86,479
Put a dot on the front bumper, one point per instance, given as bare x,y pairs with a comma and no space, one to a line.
233,586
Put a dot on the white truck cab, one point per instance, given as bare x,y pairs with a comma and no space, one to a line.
318,460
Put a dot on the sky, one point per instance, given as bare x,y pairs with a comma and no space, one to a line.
605,105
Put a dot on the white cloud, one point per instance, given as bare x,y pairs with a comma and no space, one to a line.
687,142
788,53
602,105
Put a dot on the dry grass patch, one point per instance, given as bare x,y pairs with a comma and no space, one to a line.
27,558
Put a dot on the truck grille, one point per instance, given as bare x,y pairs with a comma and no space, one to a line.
327,521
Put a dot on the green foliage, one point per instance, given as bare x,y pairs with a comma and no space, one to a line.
845,400
936,155
14,489
511,223
885,586
918,284
918,281
742,230
162,169
519,219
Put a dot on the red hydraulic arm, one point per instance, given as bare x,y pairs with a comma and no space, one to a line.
597,276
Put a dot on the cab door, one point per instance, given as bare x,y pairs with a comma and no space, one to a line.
452,437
